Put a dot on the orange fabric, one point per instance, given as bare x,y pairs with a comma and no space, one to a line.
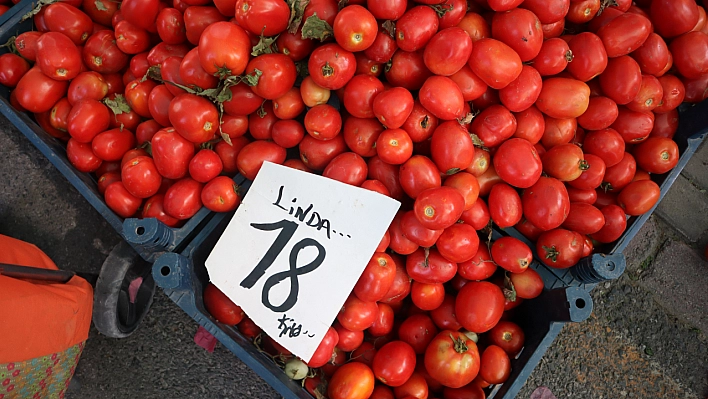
37,319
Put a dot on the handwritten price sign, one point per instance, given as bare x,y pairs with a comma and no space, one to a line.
294,251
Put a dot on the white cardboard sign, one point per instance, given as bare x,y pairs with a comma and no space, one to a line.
294,251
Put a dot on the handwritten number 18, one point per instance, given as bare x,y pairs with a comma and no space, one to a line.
287,229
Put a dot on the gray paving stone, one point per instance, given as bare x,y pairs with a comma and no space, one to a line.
678,279
644,246
685,208
697,168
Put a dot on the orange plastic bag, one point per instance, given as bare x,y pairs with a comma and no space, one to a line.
37,319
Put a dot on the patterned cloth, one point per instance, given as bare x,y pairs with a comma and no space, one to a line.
45,377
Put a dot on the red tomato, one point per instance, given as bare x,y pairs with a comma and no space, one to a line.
69,20
153,208
377,278
674,93
112,144
194,117
448,51
452,148
394,146
639,197
58,57
183,199
394,363
198,18
12,68
579,195
427,296
357,315
251,157
137,95
221,194
120,200
37,92
624,34
673,18
87,85
393,106
221,307
665,125
323,122
530,125
688,52
615,224
452,359
479,306
601,114
553,57
592,176
517,163
657,155
82,157
101,54
351,381
418,174
584,218
417,330
546,204
589,56
130,38
511,254
622,79
495,63
494,125
140,13
560,248
224,49
355,28
480,267
416,27
348,340
527,284
360,135
476,26
582,11
359,95
467,185
331,66
278,75
565,162
408,70
348,168
564,98
503,5
323,353
504,205
383,325
495,365
430,267
87,119
263,17
438,208
172,153
523,92
480,163
547,11
170,26
521,30
606,144
653,55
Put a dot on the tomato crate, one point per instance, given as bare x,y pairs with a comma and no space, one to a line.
149,237
566,296
183,277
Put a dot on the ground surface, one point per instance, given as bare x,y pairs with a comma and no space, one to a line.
645,339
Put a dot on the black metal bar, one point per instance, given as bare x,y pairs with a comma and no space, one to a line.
35,273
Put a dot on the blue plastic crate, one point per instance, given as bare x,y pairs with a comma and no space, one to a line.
149,237
566,297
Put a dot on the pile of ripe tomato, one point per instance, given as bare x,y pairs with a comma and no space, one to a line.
549,116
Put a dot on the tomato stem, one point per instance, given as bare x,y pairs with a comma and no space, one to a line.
442,9
459,344
583,165
551,253
297,10
316,28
